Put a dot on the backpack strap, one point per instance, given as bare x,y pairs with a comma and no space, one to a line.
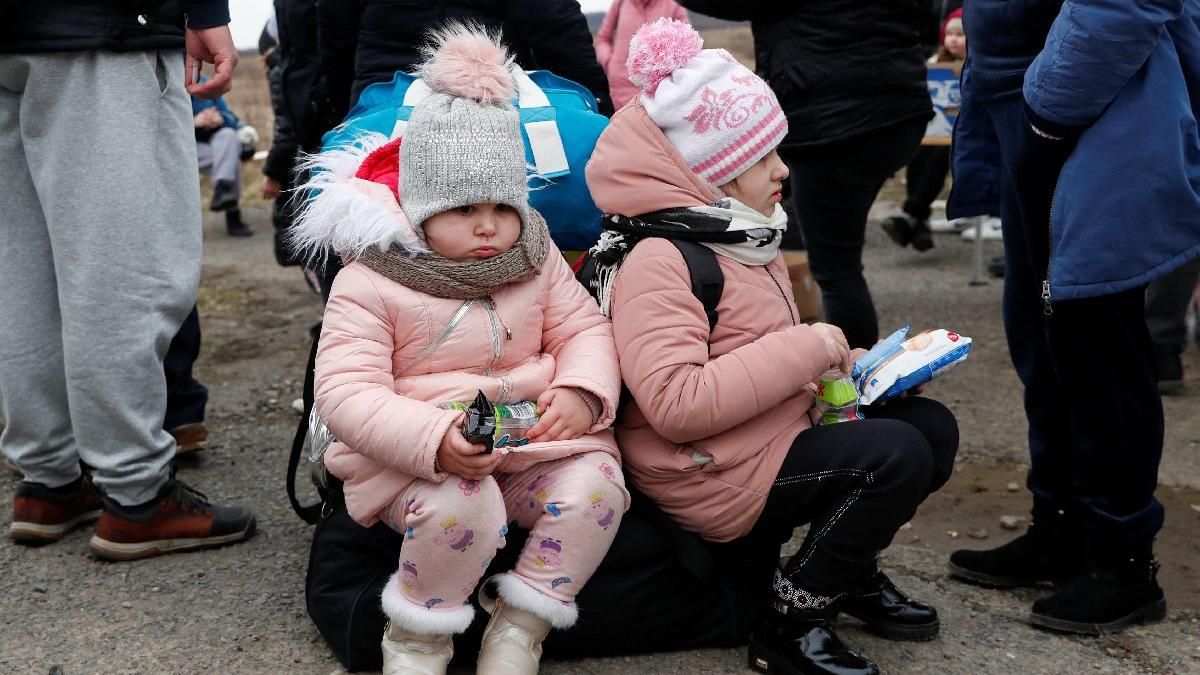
708,281
308,513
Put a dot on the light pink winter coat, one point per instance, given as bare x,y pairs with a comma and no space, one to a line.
389,354
711,419
621,21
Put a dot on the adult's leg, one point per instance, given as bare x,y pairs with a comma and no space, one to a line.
37,436
833,187
925,178
186,397
1167,300
123,221
227,158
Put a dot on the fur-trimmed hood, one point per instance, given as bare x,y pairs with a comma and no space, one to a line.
352,202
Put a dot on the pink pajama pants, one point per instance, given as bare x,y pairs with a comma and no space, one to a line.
452,530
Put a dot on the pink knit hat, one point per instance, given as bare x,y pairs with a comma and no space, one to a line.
720,116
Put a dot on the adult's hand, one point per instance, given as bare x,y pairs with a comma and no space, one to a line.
215,46
269,188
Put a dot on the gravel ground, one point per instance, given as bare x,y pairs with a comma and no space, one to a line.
241,609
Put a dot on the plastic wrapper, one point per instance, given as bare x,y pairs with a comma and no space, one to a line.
895,365
496,426
837,398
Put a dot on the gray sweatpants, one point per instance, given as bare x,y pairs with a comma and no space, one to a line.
100,244
221,156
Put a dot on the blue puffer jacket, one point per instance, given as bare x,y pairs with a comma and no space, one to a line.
1123,76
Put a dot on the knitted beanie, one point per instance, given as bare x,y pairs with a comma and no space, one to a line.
720,116
463,142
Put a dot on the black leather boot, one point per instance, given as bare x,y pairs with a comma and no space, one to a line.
1050,550
888,612
235,226
796,637
1107,598
224,196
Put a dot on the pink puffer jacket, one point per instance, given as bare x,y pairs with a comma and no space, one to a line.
711,419
388,355
621,21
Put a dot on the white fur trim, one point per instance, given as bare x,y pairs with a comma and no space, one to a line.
337,215
521,595
418,619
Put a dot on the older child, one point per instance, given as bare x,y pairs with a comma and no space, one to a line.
720,429
455,287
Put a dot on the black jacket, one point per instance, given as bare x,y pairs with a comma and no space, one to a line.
840,68
367,41
299,121
116,25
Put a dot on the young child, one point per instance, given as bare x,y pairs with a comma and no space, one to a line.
453,286
720,429
621,20
926,173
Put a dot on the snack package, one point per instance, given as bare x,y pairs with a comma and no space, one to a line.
496,426
837,398
893,367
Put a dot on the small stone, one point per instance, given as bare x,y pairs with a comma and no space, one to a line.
1012,487
953,534
1010,522
154,589
977,533
298,405
1010,655
1196,507
39,589
906,526
272,401
947,655
127,605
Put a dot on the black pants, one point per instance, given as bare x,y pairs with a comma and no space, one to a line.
186,397
1091,394
1167,300
856,483
924,179
833,186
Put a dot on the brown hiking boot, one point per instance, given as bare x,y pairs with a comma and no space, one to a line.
42,515
190,437
179,519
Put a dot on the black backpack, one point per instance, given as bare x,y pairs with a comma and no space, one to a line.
660,588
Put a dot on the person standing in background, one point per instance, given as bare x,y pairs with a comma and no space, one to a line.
621,21
851,78
101,241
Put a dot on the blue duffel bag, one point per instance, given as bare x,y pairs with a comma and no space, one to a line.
560,123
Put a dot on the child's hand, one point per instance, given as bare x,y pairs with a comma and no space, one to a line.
836,349
565,416
460,457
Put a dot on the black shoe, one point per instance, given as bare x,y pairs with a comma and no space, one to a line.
803,642
1169,368
1045,553
922,237
234,226
1104,600
889,613
224,196
899,229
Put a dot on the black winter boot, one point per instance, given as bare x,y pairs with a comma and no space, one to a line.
224,196
888,612
234,226
1049,551
797,637
899,228
1107,598
922,237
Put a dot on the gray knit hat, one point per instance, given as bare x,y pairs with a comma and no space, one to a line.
463,142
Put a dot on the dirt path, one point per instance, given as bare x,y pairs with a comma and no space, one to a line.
241,609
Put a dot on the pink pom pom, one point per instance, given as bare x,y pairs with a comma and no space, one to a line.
658,49
464,60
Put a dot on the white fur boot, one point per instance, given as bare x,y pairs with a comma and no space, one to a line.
512,641
418,641
409,653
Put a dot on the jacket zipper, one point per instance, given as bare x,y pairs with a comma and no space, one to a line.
1047,300
489,307
782,295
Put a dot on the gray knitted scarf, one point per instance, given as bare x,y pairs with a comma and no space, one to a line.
431,273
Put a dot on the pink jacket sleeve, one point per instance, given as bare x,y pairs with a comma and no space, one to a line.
604,35
355,387
680,14
662,336
580,339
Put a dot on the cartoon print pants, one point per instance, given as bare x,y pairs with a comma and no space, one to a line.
572,507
